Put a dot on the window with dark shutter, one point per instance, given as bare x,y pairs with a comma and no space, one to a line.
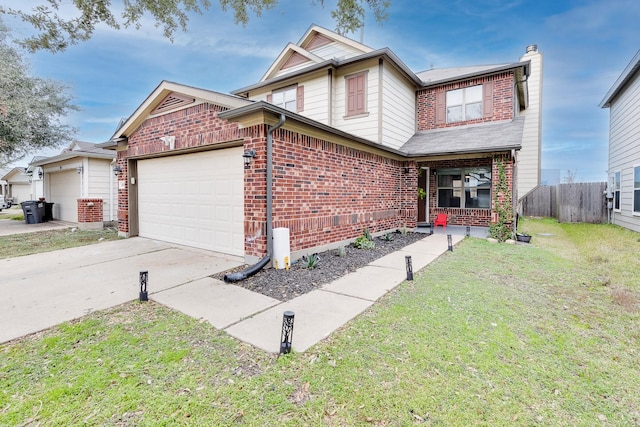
356,94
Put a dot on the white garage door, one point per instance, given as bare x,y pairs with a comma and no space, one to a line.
64,188
194,200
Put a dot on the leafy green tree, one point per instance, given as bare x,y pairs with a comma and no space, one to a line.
31,108
55,33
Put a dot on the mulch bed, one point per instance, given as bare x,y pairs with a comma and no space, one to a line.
284,285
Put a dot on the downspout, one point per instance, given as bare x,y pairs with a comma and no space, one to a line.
111,165
250,271
514,191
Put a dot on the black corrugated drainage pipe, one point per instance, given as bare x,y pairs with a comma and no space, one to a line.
250,271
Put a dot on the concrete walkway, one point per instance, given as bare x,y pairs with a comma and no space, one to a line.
257,319
40,291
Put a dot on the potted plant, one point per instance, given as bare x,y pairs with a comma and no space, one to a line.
523,237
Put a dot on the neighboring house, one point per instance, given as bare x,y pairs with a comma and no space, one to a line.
36,178
623,102
3,184
18,185
338,137
82,170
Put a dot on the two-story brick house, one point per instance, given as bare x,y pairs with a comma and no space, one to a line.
338,137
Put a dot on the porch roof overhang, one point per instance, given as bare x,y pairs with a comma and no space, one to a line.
71,155
472,139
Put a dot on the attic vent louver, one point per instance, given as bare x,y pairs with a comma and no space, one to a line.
173,101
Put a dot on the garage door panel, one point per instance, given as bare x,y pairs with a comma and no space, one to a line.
194,200
64,193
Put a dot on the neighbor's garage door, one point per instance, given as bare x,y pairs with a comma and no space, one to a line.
194,200
64,193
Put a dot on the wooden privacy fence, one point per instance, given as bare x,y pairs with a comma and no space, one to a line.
581,202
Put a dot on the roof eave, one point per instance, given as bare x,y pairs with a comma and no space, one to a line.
472,151
526,65
332,63
263,106
627,74
72,155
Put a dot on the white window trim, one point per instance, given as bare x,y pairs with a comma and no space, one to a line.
633,190
619,209
283,90
464,104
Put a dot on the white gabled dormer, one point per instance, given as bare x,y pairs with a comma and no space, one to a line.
316,46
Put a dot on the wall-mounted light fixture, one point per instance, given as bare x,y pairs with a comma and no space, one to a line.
40,174
79,169
117,169
406,170
247,156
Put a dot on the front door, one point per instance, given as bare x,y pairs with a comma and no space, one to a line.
423,196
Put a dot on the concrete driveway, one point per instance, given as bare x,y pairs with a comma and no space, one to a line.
42,290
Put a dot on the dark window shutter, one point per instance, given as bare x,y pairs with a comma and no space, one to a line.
441,108
299,99
360,91
487,100
351,96
356,94
269,98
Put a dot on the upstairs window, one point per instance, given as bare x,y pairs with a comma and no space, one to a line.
468,188
290,98
356,86
464,104
468,103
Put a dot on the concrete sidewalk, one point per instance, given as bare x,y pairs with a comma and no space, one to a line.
42,290
10,226
257,319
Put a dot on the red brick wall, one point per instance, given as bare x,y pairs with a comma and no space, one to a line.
503,100
90,210
192,127
323,192
459,216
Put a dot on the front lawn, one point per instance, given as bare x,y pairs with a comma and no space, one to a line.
51,240
489,334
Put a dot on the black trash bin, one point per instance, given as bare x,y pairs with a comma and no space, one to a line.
48,211
33,211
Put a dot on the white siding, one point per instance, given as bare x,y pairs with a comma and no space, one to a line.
624,148
316,98
363,126
99,175
529,157
398,109
336,50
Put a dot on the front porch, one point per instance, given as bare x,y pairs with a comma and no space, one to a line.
456,230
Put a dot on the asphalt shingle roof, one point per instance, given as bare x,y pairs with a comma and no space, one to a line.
494,136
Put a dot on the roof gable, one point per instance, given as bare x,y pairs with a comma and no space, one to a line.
169,96
316,45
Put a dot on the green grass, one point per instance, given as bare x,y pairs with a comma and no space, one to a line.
51,240
489,334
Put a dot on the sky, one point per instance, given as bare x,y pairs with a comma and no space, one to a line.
586,46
